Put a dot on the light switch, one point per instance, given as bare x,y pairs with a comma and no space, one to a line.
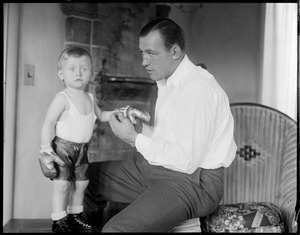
29,75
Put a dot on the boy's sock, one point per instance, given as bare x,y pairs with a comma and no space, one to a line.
59,215
74,209
59,224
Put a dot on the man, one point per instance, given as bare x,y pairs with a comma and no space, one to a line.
184,154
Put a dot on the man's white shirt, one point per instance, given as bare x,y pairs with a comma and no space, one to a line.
193,125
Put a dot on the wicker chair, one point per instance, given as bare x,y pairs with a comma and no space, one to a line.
265,166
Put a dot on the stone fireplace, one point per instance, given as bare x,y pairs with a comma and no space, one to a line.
109,31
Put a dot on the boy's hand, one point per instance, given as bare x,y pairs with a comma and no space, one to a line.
133,113
48,162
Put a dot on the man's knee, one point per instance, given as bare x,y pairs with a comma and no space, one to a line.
108,228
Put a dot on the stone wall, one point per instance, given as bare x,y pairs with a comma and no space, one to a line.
109,31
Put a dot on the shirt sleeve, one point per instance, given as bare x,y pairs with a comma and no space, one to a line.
184,145
147,129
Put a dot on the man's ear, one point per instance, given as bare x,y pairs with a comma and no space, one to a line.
60,74
176,52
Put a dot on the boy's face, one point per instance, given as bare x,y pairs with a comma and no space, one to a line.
76,72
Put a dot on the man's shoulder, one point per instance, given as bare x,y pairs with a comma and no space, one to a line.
199,79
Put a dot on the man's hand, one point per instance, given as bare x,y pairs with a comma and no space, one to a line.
138,126
48,164
123,128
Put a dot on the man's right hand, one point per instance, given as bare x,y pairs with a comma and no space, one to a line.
48,164
138,126
123,128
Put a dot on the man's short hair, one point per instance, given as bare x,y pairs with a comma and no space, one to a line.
170,32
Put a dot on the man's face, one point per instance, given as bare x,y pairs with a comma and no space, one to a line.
156,59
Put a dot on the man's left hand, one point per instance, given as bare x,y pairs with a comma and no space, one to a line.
123,128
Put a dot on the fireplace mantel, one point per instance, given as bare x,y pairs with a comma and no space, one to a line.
129,79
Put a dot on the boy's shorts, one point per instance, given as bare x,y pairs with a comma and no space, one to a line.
75,157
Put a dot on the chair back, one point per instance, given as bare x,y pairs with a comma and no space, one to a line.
265,166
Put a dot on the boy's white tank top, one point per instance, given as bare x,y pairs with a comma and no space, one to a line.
76,127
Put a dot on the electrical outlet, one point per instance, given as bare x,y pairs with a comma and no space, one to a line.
29,75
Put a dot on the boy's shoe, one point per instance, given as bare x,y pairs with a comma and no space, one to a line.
60,226
78,222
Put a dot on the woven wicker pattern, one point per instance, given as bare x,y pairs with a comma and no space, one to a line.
264,169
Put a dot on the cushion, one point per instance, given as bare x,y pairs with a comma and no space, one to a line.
250,217
188,226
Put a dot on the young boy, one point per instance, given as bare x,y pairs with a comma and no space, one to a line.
65,135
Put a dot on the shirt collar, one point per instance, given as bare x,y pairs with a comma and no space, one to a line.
177,76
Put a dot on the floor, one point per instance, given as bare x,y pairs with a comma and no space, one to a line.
28,226
45,225
32,226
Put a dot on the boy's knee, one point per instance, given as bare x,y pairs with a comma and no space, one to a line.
80,186
63,188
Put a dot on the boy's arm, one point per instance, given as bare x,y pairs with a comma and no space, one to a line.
48,157
103,116
54,111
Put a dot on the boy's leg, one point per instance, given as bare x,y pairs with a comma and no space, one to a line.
60,195
75,158
60,198
75,220
76,198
